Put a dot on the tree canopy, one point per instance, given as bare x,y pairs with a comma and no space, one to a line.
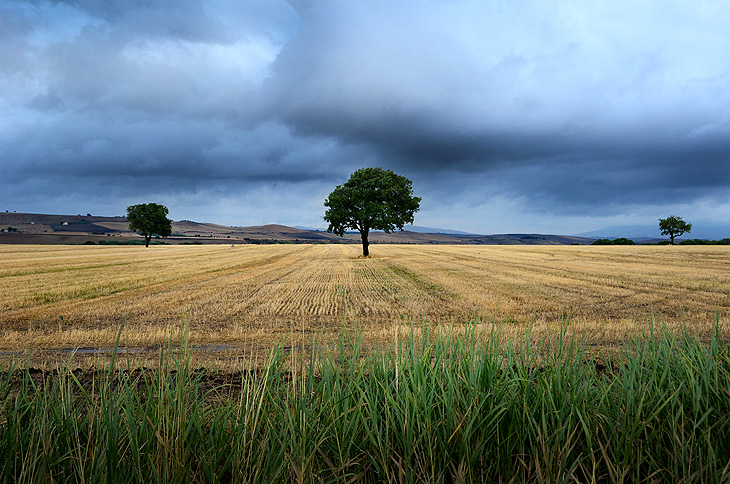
148,220
673,226
371,199
618,241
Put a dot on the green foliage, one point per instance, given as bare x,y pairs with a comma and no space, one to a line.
371,199
435,408
673,226
725,241
149,219
623,241
618,241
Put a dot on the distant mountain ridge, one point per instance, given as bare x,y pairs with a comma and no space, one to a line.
78,229
408,228
650,233
634,232
430,230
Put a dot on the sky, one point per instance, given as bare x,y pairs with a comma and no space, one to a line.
509,116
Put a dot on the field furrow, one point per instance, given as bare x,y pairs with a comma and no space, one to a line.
70,294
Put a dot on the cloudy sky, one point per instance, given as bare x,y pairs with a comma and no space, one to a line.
561,116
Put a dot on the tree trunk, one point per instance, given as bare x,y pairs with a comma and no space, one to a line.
147,240
365,243
671,237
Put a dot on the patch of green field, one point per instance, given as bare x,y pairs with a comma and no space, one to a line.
434,408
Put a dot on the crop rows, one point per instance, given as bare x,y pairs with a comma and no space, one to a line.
75,296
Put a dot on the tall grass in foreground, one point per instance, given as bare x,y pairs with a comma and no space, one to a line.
431,409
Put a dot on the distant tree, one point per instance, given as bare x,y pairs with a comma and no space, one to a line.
623,241
725,241
148,220
673,226
618,241
372,198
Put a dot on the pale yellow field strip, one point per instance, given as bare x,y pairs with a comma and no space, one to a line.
609,292
72,295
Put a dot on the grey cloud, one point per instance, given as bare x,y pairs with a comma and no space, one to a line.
368,64
562,108
159,58
540,96
148,152
171,19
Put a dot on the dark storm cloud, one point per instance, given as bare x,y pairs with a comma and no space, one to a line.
137,91
545,113
564,108
150,150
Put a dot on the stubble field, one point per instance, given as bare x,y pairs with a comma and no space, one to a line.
253,296
380,404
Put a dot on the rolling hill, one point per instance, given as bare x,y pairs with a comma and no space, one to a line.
34,228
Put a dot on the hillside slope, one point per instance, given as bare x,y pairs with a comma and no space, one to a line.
77,229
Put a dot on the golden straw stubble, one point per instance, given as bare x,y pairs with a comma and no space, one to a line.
53,296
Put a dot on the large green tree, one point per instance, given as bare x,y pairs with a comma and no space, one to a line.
148,220
372,198
673,226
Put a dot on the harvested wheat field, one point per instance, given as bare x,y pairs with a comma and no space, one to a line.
253,296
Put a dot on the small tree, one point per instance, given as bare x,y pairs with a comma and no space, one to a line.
673,226
373,198
148,220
